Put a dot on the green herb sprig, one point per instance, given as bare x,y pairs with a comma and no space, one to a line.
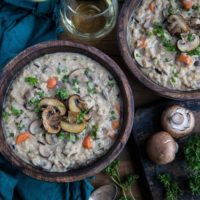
160,32
192,156
81,116
16,112
32,81
62,93
124,184
171,187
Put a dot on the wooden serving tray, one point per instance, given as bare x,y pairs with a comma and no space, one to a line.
147,121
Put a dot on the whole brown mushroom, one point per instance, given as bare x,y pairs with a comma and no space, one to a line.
178,121
162,148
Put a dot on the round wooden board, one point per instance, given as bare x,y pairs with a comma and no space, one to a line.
20,61
126,13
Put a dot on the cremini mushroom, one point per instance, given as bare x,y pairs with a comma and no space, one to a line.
53,103
51,120
177,24
162,148
72,128
186,45
178,121
76,104
194,23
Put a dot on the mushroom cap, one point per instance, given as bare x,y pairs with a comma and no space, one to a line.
178,121
161,148
184,45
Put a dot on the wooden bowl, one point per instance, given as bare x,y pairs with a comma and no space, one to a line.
125,15
15,65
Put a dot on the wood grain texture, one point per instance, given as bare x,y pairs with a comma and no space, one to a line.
13,68
147,122
124,18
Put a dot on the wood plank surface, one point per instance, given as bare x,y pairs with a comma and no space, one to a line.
142,97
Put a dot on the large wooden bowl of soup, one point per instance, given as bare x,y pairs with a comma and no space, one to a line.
159,41
66,111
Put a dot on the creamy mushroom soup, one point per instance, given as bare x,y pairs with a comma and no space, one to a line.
62,112
163,36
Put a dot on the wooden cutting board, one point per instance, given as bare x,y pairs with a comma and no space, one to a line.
147,121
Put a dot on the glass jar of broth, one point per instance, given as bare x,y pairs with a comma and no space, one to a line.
89,19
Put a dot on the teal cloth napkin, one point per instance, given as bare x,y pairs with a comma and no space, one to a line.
22,24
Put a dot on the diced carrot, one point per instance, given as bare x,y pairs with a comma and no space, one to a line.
184,58
51,82
87,142
118,107
115,124
142,43
22,137
152,6
187,4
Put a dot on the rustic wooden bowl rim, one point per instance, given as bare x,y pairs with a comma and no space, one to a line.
38,50
124,17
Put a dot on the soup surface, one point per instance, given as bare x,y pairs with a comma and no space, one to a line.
62,112
163,36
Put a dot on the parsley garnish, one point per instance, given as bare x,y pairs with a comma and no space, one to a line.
81,116
62,93
36,100
91,88
195,52
65,78
113,115
192,156
94,131
16,112
33,81
190,37
124,183
5,116
20,126
171,188
86,72
159,31
75,84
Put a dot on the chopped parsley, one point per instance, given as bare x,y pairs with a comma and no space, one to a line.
113,115
5,116
36,100
110,82
75,84
68,136
91,88
62,93
195,52
196,7
81,116
172,11
173,79
149,33
16,112
11,135
20,126
160,32
65,78
58,70
33,81
94,131
190,37
86,72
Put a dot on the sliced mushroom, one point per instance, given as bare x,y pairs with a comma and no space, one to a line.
162,148
194,23
51,120
44,150
177,24
55,103
72,128
51,139
184,45
78,74
72,117
178,121
76,104
36,127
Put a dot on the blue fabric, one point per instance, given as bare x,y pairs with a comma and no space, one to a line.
22,24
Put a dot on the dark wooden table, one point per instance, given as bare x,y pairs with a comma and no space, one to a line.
142,97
